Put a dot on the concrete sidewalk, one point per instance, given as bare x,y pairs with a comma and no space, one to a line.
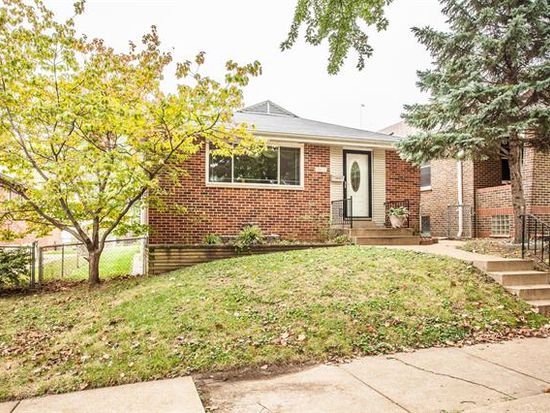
505,377
448,248
167,396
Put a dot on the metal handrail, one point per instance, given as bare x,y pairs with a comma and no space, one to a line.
535,238
342,212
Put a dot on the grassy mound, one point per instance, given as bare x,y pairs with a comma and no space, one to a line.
281,308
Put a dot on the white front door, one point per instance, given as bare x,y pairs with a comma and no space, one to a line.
357,183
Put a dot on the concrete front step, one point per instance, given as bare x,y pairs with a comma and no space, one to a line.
365,223
517,278
531,292
540,306
380,232
497,265
387,240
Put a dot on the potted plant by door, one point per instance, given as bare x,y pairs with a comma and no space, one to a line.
398,216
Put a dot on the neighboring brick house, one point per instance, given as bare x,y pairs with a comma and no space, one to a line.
485,191
18,227
288,190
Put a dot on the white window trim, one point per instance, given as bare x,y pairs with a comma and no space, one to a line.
258,186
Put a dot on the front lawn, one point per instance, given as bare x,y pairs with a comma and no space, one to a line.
276,309
116,260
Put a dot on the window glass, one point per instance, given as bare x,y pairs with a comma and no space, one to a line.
275,166
220,169
425,175
505,169
355,176
261,169
500,225
289,173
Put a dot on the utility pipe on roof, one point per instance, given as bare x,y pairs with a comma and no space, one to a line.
459,181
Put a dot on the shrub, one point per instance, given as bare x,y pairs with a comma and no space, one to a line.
212,239
328,233
14,266
249,236
341,239
398,212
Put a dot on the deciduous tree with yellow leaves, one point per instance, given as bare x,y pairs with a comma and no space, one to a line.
86,132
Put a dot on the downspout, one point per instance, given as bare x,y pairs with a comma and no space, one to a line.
460,200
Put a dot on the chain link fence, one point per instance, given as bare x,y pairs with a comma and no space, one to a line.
120,257
456,214
17,265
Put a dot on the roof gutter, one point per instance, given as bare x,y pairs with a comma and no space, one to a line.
325,140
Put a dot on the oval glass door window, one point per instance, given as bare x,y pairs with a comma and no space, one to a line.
355,176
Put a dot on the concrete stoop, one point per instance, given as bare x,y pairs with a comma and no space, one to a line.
373,235
521,279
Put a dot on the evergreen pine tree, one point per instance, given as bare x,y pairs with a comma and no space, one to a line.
490,86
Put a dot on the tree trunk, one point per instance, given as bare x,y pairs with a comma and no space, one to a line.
93,266
518,198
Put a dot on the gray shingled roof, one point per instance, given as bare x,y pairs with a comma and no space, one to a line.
400,129
269,117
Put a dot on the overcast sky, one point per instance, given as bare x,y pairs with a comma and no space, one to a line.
248,30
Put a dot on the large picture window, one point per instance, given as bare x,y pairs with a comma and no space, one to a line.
278,165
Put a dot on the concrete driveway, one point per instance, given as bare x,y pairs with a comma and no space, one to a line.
507,377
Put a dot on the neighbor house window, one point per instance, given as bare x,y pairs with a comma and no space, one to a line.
505,170
426,176
277,165
500,225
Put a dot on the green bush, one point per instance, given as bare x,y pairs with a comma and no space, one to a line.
341,239
249,236
401,211
212,239
14,266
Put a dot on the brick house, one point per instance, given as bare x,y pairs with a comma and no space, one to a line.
293,188
483,189
18,227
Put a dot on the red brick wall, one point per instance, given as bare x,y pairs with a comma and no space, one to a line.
434,202
20,227
292,214
536,183
490,197
488,173
489,202
483,190
498,200
403,182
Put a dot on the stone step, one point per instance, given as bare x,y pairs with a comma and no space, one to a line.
531,292
540,306
520,277
365,223
399,240
497,265
380,232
